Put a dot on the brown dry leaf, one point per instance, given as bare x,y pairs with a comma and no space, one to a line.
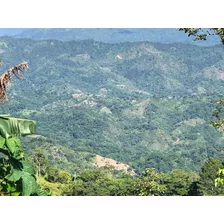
6,78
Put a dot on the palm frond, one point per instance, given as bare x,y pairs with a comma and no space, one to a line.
6,78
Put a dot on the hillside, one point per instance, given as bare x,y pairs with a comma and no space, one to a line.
142,104
57,155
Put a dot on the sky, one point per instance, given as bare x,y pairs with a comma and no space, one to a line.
110,13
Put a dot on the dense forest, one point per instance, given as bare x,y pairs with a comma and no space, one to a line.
146,105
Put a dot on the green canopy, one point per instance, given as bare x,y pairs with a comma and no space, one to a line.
12,127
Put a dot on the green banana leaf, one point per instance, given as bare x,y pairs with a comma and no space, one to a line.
21,172
26,175
12,127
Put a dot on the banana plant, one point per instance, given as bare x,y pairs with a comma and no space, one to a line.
16,173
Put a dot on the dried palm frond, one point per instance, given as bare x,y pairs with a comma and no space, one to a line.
6,78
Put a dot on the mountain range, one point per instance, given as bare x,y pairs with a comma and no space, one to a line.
109,35
144,104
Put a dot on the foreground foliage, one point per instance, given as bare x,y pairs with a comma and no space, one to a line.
16,173
202,34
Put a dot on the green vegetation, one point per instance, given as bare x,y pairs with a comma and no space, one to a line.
16,173
146,105
107,182
202,34
44,152
208,175
152,108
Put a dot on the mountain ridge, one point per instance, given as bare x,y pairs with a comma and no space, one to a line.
109,35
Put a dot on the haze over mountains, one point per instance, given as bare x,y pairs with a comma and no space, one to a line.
109,35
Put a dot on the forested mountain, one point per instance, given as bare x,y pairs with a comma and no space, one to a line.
144,104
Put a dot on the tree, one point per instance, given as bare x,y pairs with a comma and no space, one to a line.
101,182
208,174
54,175
150,184
179,182
219,181
218,114
202,34
39,160
218,123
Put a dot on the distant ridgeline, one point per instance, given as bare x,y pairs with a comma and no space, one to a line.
142,104
113,35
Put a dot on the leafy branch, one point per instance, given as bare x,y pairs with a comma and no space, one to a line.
202,33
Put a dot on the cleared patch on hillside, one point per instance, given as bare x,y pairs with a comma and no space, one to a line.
138,109
102,161
213,72
194,122
105,110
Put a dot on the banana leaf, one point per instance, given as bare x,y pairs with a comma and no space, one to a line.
25,177
21,173
13,127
